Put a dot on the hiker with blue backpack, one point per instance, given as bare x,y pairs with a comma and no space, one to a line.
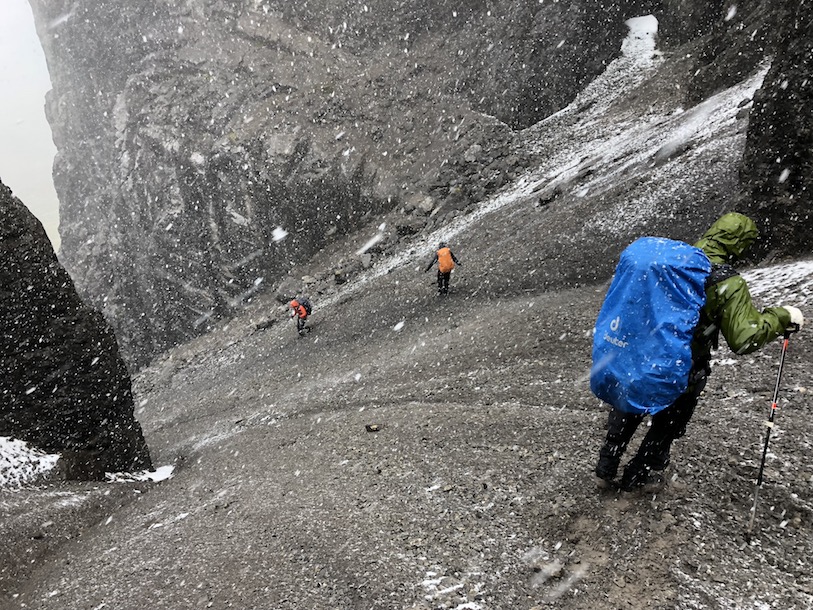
661,318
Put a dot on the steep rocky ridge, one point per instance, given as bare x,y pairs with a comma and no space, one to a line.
64,387
189,133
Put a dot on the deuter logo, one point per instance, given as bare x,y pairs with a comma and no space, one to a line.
614,340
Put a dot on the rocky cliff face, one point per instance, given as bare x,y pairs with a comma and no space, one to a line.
64,386
778,162
193,137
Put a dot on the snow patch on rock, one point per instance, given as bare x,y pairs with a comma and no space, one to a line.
21,464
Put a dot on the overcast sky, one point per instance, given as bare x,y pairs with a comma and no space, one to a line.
26,148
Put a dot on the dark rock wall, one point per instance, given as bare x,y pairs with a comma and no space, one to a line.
729,42
777,170
738,37
682,21
64,387
518,61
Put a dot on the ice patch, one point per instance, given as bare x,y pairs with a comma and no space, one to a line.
159,474
640,41
21,464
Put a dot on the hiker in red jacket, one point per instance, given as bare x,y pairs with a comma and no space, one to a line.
446,261
299,311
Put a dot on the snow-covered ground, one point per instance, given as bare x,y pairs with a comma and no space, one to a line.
21,464
783,284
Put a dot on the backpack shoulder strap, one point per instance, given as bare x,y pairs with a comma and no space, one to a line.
719,273
708,329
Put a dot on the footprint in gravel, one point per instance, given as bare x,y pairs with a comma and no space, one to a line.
558,570
555,579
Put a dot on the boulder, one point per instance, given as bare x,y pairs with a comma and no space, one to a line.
65,388
288,288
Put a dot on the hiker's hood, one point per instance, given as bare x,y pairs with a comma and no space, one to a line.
728,238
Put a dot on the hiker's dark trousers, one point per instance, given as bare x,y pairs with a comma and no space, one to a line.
443,281
667,425
300,323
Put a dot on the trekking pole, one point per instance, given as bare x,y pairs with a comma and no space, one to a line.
769,426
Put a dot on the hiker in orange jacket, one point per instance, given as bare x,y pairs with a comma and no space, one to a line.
300,312
446,261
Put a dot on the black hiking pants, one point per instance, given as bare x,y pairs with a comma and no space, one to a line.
653,454
443,281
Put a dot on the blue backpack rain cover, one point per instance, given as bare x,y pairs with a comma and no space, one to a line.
642,345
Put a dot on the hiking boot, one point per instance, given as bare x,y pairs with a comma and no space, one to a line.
606,468
648,481
604,483
635,476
